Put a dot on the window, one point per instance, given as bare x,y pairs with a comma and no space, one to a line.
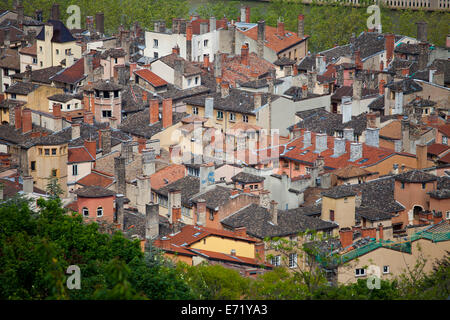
13,96
292,260
6,72
205,43
444,140
106,94
255,187
276,261
423,185
68,106
155,55
54,172
360,272
33,165
244,118
196,80
47,152
297,166
385,269
57,51
219,115
189,82
232,117
115,60
332,215
106,113
99,212
54,152
403,185
194,110
155,43
211,215
40,151
447,215
75,170
68,51
85,212
40,49
116,94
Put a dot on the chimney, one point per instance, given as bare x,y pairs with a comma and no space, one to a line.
28,73
57,110
369,232
257,99
346,237
212,24
259,252
88,117
300,26
247,14
106,141
306,139
189,42
241,232
264,199
133,67
148,162
304,91
167,113
242,17
176,50
373,137
27,123
389,46
39,16
421,31
201,212
380,232
421,156
144,192
119,210
339,147
151,221
90,24
321,66
244,55
55,12
274,212
280,28
358,62
206,176
91,146
154,110
178,72
119,173
261,37
75,131
373,119
28,184
346,110
349,134
206,61
203,27
209,107
357,87
321,142
356,151
174,201
224,89
423,55
381,86
100,23
20,14
18,117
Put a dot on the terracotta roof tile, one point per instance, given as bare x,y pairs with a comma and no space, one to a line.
97,178
151,78
437,148
79,154
392,131
71,75
167,175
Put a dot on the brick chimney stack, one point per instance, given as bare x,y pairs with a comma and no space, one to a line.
381,86
346,237
27,124
389,45
206,61
167,113
189,33
300,26
154,110
247,14
280,28
55,12
56,110
244,55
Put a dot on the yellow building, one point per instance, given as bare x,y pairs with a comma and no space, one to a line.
54,44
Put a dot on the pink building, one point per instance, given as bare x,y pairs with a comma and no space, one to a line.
95,203
103,98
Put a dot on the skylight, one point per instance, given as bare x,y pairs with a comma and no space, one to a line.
363,160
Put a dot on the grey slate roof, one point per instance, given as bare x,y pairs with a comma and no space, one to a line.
237,101
60,32
406,86
440,194
257,221
23,88
337,193
214,198
415,176
41,75
188,185
259,83
372,214
94,192
247,178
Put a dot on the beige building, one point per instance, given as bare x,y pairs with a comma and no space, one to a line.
55,43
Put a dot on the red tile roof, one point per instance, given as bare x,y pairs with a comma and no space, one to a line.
445,129
228,257
31,50
170,174
97,178
446,158
79,154
151,78
234,71
370,155
275,41
437,148
72,74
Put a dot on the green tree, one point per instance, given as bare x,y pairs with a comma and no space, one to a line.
53,187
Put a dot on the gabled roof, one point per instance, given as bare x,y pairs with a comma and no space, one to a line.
72,74
188,185
30,50
214,198
94,192
190,69
247,178
273,40
258,223
60,32
415,176
347,91
97,178
437,148
79,154
372,214
23,88
41,76
151,78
